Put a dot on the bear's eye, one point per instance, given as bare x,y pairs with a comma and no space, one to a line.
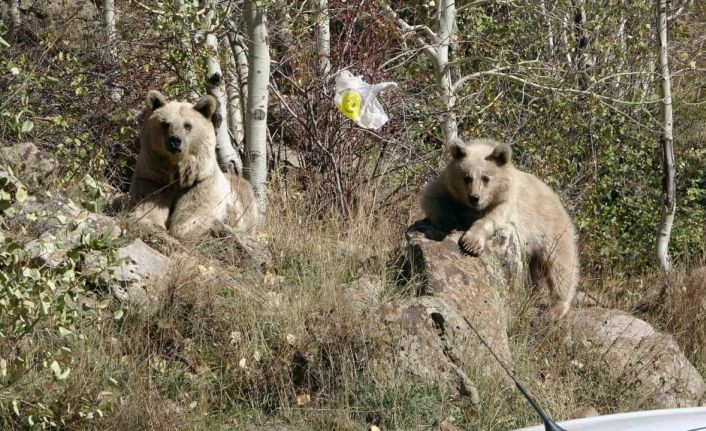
187,126
164,124
468,179
485,179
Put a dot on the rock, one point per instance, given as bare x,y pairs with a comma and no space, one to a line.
234,246
435,340
363,294
54,224
584,299
139,278
28,163
646,362
445,425
584,412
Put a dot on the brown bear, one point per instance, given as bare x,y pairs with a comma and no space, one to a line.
177,184
481,191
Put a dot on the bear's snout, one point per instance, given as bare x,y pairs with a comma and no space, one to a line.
473,199
174,144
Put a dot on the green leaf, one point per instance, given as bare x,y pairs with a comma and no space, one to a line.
118,314
27,126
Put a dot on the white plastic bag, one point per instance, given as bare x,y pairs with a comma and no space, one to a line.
357,100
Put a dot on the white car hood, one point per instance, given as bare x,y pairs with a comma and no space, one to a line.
688,419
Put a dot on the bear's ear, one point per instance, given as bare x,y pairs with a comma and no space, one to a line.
457,148
154,100
207,106
501,155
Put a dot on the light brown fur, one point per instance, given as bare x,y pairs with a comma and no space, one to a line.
483,170
185,191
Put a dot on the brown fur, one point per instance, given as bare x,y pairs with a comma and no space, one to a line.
483,171
185,191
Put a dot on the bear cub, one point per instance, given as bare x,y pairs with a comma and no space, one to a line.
481,191
177,183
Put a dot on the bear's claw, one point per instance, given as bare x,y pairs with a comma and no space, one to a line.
471,244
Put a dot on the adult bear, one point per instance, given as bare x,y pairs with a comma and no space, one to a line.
177,183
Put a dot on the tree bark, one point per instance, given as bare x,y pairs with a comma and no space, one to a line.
228,156
241,67
548,23
236,126
582,40
668,200
111,37
323,38
15,18
447,29
438,52
256,116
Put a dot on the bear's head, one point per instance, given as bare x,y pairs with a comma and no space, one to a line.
478,176
173,130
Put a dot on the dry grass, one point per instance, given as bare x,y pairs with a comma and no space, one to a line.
229,348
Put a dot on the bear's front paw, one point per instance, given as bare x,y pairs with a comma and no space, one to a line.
472,243
187,172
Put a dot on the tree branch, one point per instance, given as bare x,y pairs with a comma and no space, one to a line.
406,28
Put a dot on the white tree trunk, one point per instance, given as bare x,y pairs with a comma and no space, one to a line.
236,126
621,53
582,39
548,23
668,201
565,38
256,114
15,18
323,38
438,52
447,28
241,68
228,156
111,36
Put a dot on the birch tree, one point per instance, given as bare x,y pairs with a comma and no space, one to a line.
241,64
323,38
228,156
15,18
236,126
548,23
111,37
437,49
668,199
582,39
256,112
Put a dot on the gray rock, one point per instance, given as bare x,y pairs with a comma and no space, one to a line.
363,295
648,363
52,225
28,163
140,277
233,246
435,340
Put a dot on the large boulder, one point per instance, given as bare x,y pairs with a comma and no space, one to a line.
140,276
646,362
52,224
433,334
28,163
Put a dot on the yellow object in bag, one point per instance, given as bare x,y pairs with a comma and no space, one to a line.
357,100
350,105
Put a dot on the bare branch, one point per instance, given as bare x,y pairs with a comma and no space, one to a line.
406,28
